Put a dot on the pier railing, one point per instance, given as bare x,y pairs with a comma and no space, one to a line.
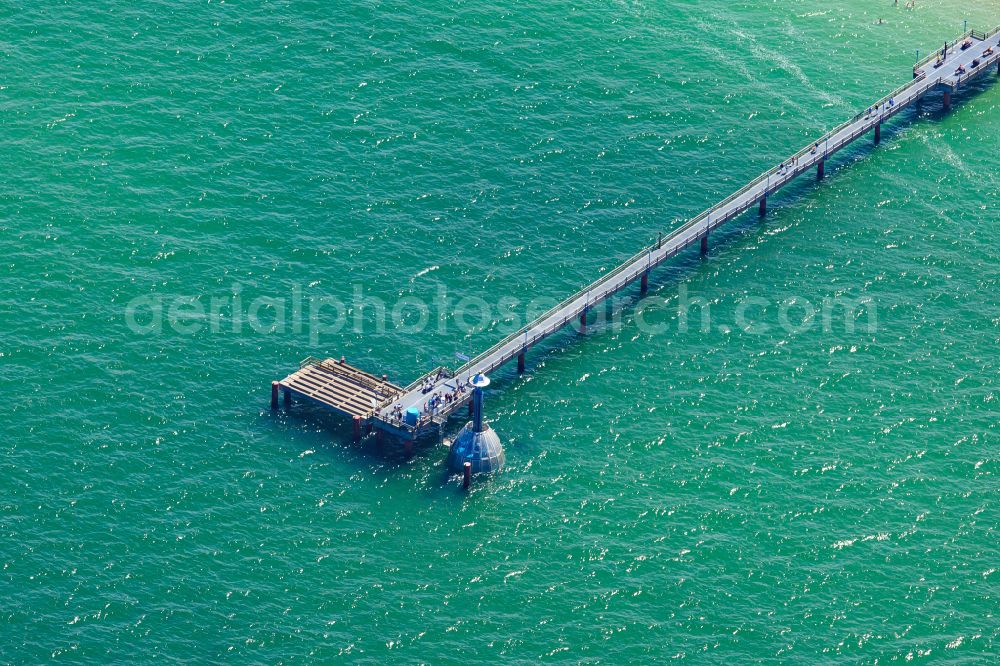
423,378
607,284
983,65
599,290
982,36
819,146
307,361
436,402
936,52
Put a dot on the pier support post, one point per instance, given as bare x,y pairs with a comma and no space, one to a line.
704,244
357,428
471,408
644,284
763,206
274,394
947,100
520,363
288,398
466,474
878,132
583,321
821,169
379,437
408,447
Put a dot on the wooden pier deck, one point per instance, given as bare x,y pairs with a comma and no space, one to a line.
338,386
955,70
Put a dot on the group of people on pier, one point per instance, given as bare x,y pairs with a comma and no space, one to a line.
880,108
396,412
790,166
429,383
445,398
438,401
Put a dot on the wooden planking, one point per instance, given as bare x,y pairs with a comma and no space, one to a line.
329,395
338,395
342,387
357,377
336,388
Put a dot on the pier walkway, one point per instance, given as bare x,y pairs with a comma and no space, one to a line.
948,69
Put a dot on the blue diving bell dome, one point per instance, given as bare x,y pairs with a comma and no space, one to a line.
477,442
482,449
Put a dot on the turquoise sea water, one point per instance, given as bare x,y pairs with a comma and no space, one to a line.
789,492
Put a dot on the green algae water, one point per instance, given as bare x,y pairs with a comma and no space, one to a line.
681,485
